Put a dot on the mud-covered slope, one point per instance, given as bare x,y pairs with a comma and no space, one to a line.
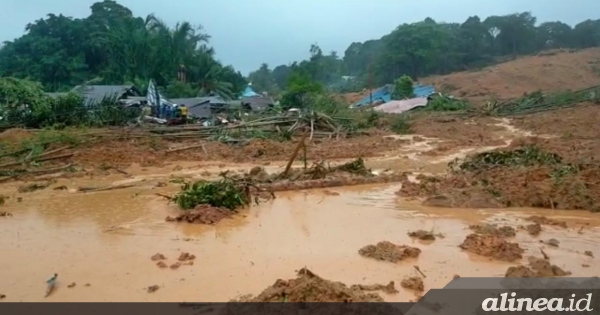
548,71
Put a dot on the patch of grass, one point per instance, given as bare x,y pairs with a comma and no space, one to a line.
400,125
446,104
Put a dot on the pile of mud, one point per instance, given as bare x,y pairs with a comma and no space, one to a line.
538,268
202,214
492,229
493,246
387,251
308,287
518,176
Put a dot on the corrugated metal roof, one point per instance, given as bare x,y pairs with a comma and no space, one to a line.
401,106
384,93
188,102
258,103
96,93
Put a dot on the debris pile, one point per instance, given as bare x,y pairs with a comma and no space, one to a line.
493,246
492,229
284,126
202,214
390,288
387,251
487,180
538,268
422,235
542,220
309,287
413,283
533,229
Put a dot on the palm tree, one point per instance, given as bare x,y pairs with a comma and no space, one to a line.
180,44
209,74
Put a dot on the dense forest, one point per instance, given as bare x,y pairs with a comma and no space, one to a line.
429,47
112,46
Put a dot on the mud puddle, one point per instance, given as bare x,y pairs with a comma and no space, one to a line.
107,239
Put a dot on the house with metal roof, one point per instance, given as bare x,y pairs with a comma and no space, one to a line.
384,94
202,107
95,94
257,103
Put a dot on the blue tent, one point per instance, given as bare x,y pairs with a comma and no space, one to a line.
249,92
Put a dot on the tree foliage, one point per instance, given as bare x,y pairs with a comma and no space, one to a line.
403,88
24,103
113,44
299,89
429,47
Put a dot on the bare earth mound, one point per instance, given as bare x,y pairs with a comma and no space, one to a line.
492,246
548,71
387,251
492,229
308,287
537,268
202,214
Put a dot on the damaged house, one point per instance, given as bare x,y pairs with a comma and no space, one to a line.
257,103
202,107
95,94
252,101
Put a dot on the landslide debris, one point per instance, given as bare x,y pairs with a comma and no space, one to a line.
492,229
533,229
422,235
157,257
309,287
413,283
387,251
542,220
493,246
390,288
208,202
522,175
538,268
202,214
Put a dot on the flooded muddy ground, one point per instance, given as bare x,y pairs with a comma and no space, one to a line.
104,241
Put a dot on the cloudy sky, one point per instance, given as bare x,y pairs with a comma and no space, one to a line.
246,33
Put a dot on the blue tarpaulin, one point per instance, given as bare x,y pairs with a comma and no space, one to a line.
385,94
248,92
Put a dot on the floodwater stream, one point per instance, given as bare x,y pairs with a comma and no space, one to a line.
103,241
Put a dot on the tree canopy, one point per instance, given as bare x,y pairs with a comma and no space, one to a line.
113,46
429,47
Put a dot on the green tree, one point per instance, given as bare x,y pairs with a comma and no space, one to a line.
299,89
403,88
116,46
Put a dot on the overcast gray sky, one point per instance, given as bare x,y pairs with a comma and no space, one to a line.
246,33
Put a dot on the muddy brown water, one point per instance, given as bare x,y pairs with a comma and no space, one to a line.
106,239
